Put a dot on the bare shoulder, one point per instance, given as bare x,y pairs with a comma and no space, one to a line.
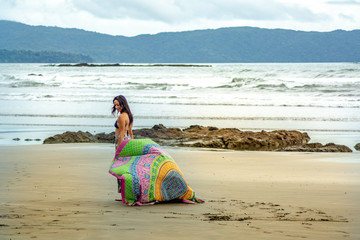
123,116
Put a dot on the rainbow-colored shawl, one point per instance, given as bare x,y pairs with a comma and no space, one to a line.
148,174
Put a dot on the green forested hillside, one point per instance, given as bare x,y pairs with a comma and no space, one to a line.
237,44
26,56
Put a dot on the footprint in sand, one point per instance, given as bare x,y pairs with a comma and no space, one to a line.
266,211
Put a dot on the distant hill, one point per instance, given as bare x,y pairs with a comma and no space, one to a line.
26,56
236,44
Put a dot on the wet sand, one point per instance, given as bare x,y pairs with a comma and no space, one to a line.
64,191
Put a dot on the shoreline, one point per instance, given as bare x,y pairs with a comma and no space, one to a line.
212,137
37,139
36,135
258,195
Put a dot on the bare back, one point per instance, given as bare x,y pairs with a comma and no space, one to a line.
124,129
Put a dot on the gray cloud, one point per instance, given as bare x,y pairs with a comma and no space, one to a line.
346,2
346,17
254,10
133,17
188,10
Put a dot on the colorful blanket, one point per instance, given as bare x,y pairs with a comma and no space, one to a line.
148,174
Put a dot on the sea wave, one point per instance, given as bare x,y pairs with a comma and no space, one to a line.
323,82
183,117
325,86
186,100
98,126
24,84
276,85
240,84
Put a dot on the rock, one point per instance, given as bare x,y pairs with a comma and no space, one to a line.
71,137
357,147
105,138
158,127
158,133
317,147
266,141
216,143
30,139
212,137
225,138
81,137
16,139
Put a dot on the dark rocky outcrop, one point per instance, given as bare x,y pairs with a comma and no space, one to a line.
81,137
212,137
105,138
128,65
71,137
357,147
225,138
317,147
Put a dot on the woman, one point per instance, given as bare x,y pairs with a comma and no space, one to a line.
124,123
146,173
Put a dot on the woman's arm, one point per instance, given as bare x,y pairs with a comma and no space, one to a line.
130,131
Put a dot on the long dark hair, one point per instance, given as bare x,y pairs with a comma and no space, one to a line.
125,107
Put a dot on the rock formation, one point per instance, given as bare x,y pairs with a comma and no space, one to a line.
71,137
357,147
317,147
225,138
211,137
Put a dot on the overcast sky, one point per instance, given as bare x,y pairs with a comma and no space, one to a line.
134,17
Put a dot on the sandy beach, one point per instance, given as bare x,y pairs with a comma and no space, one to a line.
64,191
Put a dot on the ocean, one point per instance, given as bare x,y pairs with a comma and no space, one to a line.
322,99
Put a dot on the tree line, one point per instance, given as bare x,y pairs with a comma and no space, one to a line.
26,56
